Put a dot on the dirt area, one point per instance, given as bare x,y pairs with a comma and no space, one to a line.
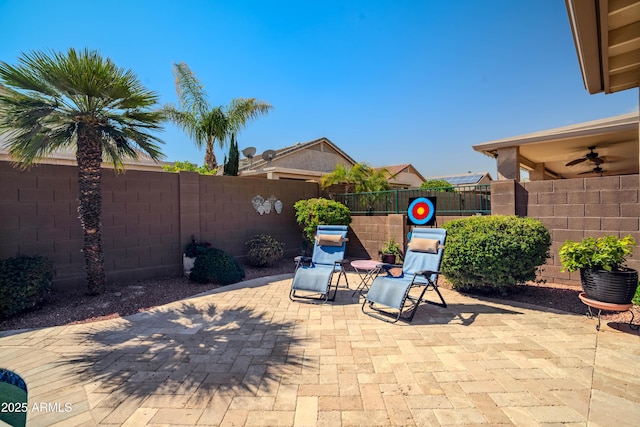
123,299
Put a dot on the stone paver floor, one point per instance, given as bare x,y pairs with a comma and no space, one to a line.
245,355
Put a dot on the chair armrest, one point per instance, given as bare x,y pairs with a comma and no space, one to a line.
302,258
342,261
386,267
427,273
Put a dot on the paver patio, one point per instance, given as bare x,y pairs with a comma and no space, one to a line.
246,355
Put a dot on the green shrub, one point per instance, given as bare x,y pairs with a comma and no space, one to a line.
313,212
636,297
496,252
438,185
24,282
263,250
217,266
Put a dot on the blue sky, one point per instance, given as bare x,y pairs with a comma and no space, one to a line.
389,82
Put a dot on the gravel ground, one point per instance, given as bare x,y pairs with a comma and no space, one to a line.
123,299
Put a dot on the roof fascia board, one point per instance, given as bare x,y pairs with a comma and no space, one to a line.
558,134
585,26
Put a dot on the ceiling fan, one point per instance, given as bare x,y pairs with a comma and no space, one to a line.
591,156
597,169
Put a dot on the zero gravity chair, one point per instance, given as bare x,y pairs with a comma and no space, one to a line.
390,296
314,275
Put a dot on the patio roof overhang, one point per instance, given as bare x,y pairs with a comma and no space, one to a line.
547,152
607,38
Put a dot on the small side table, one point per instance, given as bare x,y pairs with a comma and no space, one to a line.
607,307
367,269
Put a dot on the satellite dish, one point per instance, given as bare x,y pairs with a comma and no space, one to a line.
269,155
248,153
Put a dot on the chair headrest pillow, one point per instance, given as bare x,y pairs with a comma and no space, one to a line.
330,240
418,244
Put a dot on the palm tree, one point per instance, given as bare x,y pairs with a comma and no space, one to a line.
361,177
78,99
206,124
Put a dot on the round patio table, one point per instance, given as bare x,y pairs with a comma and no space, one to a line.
367,269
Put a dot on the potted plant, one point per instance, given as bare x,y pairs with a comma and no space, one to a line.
390,251
601,262
191,252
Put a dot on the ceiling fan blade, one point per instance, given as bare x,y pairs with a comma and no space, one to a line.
576,161
598,160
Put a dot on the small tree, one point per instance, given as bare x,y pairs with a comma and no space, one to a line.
313,212
231,166
437,184
187,166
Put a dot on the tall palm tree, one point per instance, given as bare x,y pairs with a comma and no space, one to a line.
78,99
207,125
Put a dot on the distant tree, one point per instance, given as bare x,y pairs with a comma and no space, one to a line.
437,184
187,166
360,178
205,124
78,99
231,166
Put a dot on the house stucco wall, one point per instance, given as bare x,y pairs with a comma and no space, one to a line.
314,160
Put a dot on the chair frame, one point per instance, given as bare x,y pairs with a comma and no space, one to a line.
338,266
421,279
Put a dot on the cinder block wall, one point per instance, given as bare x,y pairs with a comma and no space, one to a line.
368,233
573,209
148,218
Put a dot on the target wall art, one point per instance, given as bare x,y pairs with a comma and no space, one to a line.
421,211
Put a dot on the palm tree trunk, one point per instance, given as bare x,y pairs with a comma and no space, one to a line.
89,157
209,157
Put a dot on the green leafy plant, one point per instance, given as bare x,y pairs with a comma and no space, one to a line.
604,253
187,166
24,283
196,248
318,211
636,297
217,266
494,252
263,250
391,247
438,185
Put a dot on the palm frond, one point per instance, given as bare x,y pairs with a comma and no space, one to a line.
191,94
241,111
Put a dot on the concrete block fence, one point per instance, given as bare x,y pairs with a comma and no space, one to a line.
148,218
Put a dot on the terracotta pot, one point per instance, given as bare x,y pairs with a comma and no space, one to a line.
615,287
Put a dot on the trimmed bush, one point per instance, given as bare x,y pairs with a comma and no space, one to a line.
496,252
263,250
24,282
313,212
217,266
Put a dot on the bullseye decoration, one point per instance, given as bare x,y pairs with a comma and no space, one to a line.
421,211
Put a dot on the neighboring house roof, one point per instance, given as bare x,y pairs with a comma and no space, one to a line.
67,156
405,175
302,161
470,178
606,38
615,139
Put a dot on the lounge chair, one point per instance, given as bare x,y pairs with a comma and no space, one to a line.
314,275
389,297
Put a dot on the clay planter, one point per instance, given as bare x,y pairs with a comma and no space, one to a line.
615,287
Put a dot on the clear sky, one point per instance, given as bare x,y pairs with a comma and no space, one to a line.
389,82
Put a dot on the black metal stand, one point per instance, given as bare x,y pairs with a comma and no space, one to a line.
591,303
